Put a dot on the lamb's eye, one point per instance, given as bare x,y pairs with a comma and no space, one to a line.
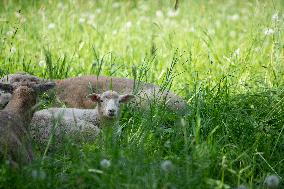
101,100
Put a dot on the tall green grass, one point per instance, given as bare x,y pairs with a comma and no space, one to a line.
224,57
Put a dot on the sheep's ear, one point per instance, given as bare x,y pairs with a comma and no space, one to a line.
94,97
7,87
126,97
42,87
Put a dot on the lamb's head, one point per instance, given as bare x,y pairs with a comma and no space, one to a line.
108,103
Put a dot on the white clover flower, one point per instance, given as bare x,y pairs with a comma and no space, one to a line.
268,31
272,181
13,50
167,166
275,17
172,13
128,24
159,13
237,52
41,63
82,20
51,26
234,17
105,163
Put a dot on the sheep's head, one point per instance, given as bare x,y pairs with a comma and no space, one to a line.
16,80
24,95
108,103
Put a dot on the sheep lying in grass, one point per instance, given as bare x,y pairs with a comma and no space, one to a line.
14,118
73,91
85,122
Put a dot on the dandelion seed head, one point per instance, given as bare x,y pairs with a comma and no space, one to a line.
237,52
98,11
232,34
51,26
192,29
38,174
82,20
41,63
116,5
17,14
234,17
268,31
128,24
13,50
272,181
159,13
211,31
10,33
167,166
275,17
172,13
105,163
91,16
242,186
114,32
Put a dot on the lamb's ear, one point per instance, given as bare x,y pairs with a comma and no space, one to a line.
42,87
7,87
126,97
94,97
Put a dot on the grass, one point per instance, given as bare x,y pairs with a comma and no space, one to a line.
224,57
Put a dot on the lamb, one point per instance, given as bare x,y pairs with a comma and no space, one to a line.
72,91
14,118
83,122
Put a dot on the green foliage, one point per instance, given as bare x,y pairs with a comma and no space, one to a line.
224,57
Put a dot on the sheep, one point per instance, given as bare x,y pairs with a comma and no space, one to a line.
72,91
81,86
14,118
72,121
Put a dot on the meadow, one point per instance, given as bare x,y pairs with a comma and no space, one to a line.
225,58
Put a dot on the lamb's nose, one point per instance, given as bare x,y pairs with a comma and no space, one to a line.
111,111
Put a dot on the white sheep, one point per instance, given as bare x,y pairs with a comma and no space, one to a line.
14,119
83,122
